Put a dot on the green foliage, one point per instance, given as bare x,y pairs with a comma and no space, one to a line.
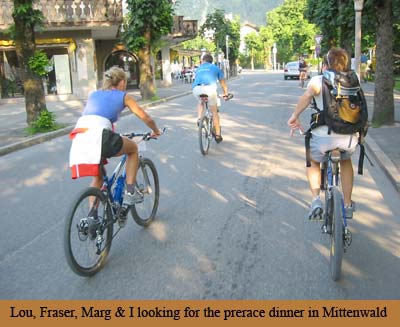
292,33
199,43
26,14
147,16
222,27
253,41
39,62
45,122
9,88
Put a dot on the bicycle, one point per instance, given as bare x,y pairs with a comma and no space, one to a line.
302,77
89,226
206,124
334,218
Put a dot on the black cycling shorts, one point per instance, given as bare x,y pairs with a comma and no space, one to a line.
111,143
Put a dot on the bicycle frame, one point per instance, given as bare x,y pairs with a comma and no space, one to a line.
330,167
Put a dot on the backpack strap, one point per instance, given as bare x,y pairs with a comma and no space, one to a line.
307,138
361,159
325,90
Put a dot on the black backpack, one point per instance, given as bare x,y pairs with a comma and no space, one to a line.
345,108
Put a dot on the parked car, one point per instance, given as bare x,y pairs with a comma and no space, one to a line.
291,70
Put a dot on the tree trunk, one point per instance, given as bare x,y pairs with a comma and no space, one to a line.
147,86
383,96
25,47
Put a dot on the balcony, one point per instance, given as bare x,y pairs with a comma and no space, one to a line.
103,17
60,14
182,30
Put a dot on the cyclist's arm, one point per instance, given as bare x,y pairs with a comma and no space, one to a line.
224,86
140,113
303,102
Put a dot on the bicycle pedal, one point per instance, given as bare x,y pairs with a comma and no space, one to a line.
122,217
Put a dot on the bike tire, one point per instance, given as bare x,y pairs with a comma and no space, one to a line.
204,136
336,251
81,232
148,183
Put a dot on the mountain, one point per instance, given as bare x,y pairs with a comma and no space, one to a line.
251,11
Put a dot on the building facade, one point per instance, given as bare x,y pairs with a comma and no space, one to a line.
81,39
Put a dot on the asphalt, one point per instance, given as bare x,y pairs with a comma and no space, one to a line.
382,143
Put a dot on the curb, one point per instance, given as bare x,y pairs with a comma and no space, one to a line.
384,162
66,130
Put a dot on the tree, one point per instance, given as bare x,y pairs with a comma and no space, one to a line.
221,27
292,33
253,43
146,23
383,96
23,34
267,39
377,31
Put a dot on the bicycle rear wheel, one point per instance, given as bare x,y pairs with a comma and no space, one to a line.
204,135
336,252
147,182
88,232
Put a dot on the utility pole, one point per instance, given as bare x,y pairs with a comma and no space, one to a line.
358,7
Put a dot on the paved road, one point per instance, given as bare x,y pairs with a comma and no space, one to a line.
230,225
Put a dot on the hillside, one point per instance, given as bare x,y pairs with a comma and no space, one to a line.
252,11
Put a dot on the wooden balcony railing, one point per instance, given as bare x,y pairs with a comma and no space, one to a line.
184,27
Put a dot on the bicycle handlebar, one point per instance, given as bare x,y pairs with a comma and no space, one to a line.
145,136
227,97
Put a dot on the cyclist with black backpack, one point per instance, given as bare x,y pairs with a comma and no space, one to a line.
333,92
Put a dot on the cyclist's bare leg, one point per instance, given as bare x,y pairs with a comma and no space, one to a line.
132,159
217,126
200,110
314,178
347,176
97,181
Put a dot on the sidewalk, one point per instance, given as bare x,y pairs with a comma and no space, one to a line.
382,143
13,116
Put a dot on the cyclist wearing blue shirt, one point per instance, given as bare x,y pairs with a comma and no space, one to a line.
205,82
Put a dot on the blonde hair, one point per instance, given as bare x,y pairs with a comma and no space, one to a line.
112,77
337,59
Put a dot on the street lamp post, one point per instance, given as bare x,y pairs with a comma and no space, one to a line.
358,7
227,56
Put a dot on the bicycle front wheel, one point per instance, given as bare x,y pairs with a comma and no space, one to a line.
336,252
88,232
147,182
204,135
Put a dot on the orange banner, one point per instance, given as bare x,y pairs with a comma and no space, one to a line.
198,313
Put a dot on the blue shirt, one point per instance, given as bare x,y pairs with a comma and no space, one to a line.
207,74
105,103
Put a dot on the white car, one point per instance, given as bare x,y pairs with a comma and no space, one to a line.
292,70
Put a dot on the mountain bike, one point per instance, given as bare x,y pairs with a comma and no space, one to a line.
334,218
89,226
206,123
